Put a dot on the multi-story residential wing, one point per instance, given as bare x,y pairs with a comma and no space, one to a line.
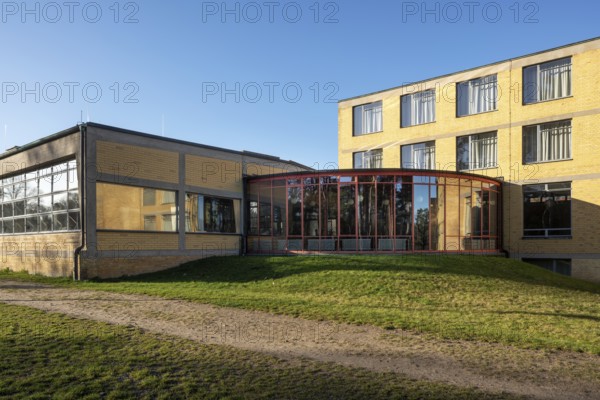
530,121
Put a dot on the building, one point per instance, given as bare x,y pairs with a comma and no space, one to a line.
530,122
97,201
387,211
499,159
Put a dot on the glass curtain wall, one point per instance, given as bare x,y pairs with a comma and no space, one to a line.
394,211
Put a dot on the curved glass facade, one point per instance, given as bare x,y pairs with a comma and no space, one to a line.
373,211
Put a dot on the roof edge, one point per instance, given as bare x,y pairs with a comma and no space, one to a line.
470,69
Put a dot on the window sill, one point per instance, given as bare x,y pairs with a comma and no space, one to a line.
565,237
479,113
546,162
546,101
411,126
137,231
366,134
214,233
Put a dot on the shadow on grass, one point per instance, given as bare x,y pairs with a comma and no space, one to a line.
258,268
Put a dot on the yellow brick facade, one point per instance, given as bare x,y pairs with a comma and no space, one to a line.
132,196
44,254
511,115
137,162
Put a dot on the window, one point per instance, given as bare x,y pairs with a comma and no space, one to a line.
42,200
547,81
418,108
547,210
168,197
150,223
149,197
547,142
419,155
133,208
368,159
477,151
368,118
477,96
559,266
211,214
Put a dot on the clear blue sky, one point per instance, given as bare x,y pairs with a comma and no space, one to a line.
168,65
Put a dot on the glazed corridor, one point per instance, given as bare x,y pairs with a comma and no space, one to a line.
373,211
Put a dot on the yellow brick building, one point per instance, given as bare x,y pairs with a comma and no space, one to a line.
530,121
99,201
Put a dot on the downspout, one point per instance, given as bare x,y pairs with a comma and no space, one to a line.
82,200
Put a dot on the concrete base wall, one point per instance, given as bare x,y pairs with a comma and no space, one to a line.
48,254
105,267
586,269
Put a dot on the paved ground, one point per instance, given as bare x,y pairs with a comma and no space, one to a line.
491,367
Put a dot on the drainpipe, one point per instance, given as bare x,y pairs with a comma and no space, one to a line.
82,200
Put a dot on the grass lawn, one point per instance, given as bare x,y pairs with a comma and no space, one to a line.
53,356
458,297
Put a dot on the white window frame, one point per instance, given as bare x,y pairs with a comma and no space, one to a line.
473,142
371,118
540,151
477,96
371,159
429,148
533,89
413,107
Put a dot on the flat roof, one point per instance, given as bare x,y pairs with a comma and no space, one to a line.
76,128
470,69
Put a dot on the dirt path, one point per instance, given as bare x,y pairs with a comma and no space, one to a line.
491,367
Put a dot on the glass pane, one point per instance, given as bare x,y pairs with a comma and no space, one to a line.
73,201
435,219
385,214
59,182
61,222
265,210
421,217
462,153
45,185
294,211
19,225
7,210
219,215
73,221
347,210
120,207
311,210
59,202
366,210
45,204
32,224
31,188
73,182
19,190
7,226
19,208
45,223
32,206
279,202
329,210
403,209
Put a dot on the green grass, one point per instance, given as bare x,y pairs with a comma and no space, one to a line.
457,297
53,356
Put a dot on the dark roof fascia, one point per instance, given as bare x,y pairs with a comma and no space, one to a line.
76,129
193,144
469,69
39,142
